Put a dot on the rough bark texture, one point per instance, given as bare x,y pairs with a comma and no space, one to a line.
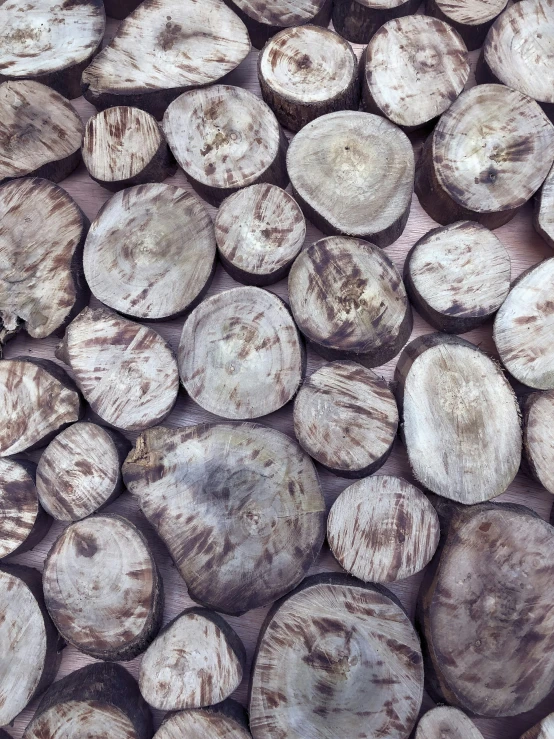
445,722
238,506
471,19
544,210
543,730
538,440
227,720
358,20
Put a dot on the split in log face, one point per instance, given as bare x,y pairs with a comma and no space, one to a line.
445,722
225,138
225,721
346,418
471,19
349,301
238,506
524,327
543,730
126,372
240,354
460,419
259,232
80,471
102,588
490,644
413,69
306,72
538,440
353,173
336,658
162,49
543,219
195,661
457,276
150,252
358,20
486,157
40,132
382,529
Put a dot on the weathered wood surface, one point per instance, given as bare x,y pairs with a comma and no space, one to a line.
226,721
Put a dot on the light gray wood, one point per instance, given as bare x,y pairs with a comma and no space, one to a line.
543,219
226,721
23,522
472,19
446,722
538,440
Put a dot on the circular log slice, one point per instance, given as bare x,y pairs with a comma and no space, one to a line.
348,299
543,730
486,157
102,588
240,354
382,529
238,506
259,232
471,19
226,721
538,441
413,69
306,72
195,661
543,218
457,276
336,658
150,252
346,418
445,722
358,20
353,173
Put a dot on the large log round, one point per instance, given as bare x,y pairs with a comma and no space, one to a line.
472,19
358,20
538,440
446,722
228,720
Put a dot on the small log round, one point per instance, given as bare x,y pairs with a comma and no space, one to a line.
543,218
126,372
353,173
358,20
334,656
40,132
225,138
102,588
238,506
471,19
197,660
457,276
524,325
150,252
487,156
80,471
259,232
538,441
306,72
240,354
349,301
543,730
445,722
227,720
430,70
382,529
346,418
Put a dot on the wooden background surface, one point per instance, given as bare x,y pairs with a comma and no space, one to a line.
525,247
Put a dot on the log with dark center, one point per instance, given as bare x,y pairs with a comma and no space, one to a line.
102,588
336,658
543,730
225,138
240,354
472,19
538,440
413,69
349,301
488,154
460,419
457,276
228,720
543,219
346,418
358,20
150,252
238,506
353,173
446,722
162,49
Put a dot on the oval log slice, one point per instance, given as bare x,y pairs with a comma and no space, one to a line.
472,19
538,440
228,720
543,218
358,20
446,722
543,730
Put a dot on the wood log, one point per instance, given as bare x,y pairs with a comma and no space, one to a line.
336,658
306,72
79,472
150,252
487,156
457,276
197,660
38,400
349,301
460,419
51,43
163,48
346,418
126,372
227,720
538,442
29,658
40,132
488,643
543,730
225,138
445,722
472,19
102,588
120,9
259,233
238,506
429,69
240,354
543,217
523,328
382,529
358,20
353,174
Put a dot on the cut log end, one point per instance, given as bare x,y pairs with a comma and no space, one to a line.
471,19
358,20
225,721
538,442
445,722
